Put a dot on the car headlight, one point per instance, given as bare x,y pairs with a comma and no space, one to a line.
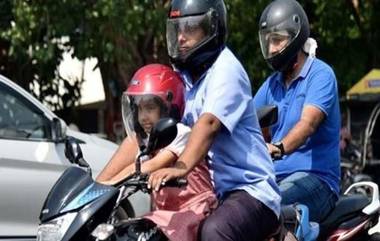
55,229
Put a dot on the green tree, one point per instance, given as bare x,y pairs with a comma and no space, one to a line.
124,35
243,19
347,33
348,36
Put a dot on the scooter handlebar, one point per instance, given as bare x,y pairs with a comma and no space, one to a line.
141,182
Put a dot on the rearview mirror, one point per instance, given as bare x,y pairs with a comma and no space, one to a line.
73,152
162,134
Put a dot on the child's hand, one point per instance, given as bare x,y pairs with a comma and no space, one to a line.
160,177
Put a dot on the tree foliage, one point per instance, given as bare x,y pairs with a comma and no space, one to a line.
124,35
347,33
348,36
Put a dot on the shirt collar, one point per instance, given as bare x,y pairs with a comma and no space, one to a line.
302,74
306,67
189,81
186,79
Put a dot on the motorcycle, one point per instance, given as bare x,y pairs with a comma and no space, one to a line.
78,208
355,217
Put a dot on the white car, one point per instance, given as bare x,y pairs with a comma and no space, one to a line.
32,159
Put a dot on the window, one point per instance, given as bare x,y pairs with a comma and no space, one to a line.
19,119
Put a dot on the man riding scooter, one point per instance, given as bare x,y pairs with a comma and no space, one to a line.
219,108
305,141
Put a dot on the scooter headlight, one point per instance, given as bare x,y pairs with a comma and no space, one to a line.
55,229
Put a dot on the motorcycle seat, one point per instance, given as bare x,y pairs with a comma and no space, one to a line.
346,207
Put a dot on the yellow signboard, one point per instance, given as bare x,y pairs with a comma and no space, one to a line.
369,84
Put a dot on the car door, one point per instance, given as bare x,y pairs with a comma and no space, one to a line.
30,162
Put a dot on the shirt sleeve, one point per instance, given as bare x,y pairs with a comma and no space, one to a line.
178,144
322,91
228,93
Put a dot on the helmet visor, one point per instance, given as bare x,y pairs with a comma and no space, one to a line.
128,112
141,112
277,38
187,33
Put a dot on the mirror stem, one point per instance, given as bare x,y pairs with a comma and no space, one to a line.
138,167
84,164
138,163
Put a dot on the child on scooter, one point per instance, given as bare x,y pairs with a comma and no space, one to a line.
156,91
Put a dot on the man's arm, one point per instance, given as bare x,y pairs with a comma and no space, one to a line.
200,140
311,118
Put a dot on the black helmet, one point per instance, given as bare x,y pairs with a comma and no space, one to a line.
283,22
207,17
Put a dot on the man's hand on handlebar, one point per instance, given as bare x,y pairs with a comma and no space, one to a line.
161,177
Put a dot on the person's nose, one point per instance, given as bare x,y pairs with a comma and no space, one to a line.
273,48
181,39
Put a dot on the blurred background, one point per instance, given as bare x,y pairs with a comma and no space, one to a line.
77,56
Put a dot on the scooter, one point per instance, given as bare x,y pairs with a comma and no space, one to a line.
355,217
78,208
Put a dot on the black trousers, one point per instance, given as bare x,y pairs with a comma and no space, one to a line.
239,217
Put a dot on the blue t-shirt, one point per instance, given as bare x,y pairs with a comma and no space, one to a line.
316,85
239,159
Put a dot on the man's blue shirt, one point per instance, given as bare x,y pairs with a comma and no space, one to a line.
239,159
316,85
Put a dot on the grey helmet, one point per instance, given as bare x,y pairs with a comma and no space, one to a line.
286,21
185,16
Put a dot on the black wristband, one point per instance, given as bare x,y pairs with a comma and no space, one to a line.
280,146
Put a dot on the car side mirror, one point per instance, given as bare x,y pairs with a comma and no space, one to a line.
58,130
267,115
